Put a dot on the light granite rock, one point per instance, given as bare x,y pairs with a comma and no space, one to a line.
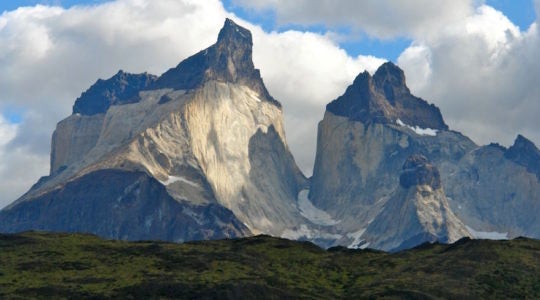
213,144
488,189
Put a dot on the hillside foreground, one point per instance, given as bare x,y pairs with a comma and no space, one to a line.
44,265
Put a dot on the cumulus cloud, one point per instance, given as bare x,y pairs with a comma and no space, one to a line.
483,73
49,55
378,18
28,164
466,57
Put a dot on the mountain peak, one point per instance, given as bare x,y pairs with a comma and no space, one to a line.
390,71
228,60
525,153
385,98
232,32
121,88
390,79
522,141
417,170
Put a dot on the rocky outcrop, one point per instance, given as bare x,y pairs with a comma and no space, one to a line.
524,153
385,98
418,171
364,139
206,137
76,135
122,88
73,138
366,136
200,152
493,195
122,205
229,60
417,211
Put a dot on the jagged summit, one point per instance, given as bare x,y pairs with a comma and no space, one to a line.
525,153
385,98
121,88
231,32
390,79
198,153
228,60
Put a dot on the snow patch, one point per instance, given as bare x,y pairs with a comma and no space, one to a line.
173,179
488,235
312,213
358,242
304,232
418,130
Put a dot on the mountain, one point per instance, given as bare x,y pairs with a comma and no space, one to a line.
366,137
385,98
200,153
122,88
524,153
197,153
46,265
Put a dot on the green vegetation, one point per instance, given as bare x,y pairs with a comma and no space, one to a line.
45,265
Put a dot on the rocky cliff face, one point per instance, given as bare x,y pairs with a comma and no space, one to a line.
416,212
200,152
205,139
368,134
122,88
229,60
525,153
493,195
122,205
385,98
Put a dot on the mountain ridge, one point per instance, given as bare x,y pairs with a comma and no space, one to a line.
185,138
209,140
229,60
366,136
385,98
122,88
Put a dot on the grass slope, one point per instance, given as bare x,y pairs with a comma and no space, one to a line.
45,265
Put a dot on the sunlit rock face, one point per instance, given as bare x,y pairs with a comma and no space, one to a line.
206,138
200,153
370,132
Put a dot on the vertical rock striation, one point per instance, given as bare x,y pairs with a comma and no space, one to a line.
197,153
366,136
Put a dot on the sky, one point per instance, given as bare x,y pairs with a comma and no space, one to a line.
477,60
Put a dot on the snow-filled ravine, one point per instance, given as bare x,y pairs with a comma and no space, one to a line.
312,213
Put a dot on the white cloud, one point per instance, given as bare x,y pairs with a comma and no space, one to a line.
483,73
379,18
466,57
7,133
305,71
50,55
474,64
19,167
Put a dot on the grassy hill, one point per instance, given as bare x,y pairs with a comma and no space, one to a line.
45,265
